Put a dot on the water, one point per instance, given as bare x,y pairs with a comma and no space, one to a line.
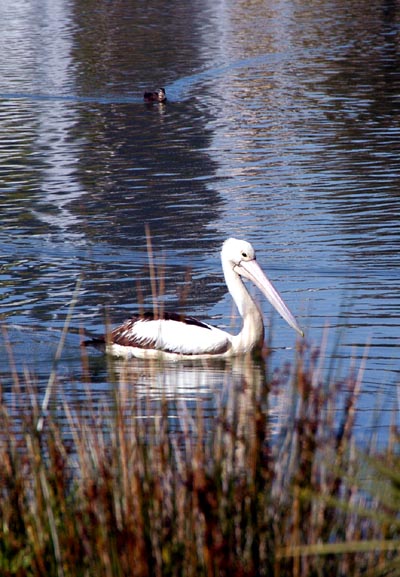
281,126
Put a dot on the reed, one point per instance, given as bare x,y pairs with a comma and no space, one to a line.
100,490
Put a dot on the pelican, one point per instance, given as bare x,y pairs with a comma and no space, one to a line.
176,337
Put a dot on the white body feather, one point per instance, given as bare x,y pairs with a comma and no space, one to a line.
169,337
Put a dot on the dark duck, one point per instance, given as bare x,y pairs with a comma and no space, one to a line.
156,96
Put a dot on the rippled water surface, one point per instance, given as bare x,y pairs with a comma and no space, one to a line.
281,126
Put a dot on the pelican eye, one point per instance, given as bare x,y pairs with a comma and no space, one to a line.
244,254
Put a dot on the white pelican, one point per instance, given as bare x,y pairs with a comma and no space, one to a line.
174,336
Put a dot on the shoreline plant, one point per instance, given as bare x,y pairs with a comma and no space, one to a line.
99,490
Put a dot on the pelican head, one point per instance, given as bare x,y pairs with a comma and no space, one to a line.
239,259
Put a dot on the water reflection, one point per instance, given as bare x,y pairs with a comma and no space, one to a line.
188,380
158,178
191,392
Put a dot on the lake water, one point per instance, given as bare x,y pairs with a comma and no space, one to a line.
281,127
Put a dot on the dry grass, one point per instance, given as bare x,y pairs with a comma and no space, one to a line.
102,491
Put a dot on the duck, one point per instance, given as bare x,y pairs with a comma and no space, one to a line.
156,96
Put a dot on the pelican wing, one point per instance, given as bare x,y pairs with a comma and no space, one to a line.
171,333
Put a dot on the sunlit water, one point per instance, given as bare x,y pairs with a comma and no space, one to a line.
281,126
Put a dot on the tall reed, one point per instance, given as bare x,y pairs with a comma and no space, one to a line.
109,491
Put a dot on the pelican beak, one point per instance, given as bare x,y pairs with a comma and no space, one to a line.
251,270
